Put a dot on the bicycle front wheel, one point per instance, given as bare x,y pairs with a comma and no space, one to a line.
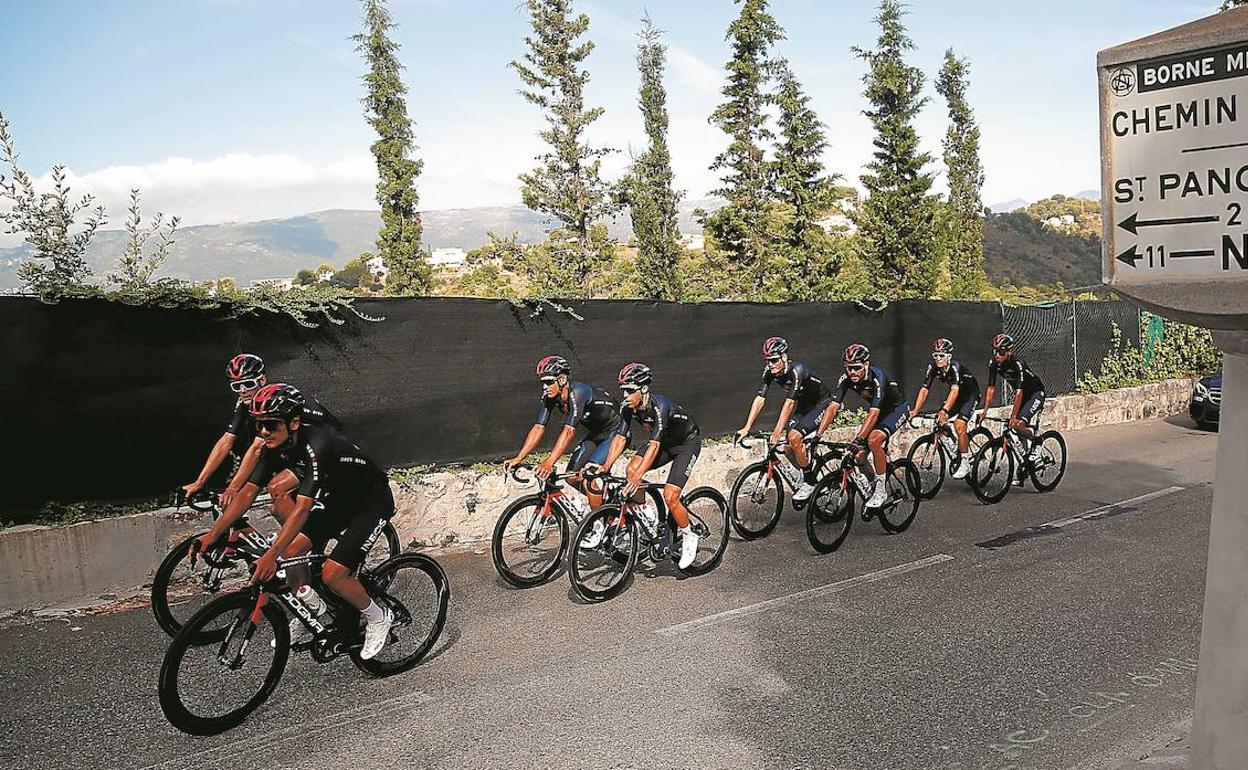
414,588
708,518
603,566
530,541
991,471
208,687
181,587
902,483
830,513
756,501
1050,465
929,460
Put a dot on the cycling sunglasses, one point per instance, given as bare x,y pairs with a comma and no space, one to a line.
855,367
548,380
239,386
773,359
267,426
942,355
630,388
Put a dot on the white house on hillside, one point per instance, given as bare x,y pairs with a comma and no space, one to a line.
377,269
448,257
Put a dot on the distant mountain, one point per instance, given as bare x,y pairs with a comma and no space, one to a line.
1014,205
1091,195
279,248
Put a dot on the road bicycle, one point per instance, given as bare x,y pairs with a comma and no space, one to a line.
757,496
1004,461
935,454
631,531
844,491
230,655
185,581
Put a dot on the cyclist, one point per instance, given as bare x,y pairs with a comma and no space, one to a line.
674,439
584,405
888,409
805,401
961,401
1028,390
341,495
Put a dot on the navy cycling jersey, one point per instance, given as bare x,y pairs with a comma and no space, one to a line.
241,426
326,463
591,407
1016,372
668,423
878,389
803,385
954,374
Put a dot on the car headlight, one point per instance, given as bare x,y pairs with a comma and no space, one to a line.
1201,390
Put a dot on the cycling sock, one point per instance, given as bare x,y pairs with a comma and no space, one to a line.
373,613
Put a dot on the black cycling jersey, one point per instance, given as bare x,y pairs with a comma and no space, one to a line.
954,374
326,463
1016,372
804,386
591,407
879,390
241,426
668,423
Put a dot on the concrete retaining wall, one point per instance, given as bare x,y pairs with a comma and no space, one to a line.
46,566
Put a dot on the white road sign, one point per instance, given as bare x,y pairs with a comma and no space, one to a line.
1175,130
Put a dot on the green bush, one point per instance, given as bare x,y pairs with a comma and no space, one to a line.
1180,351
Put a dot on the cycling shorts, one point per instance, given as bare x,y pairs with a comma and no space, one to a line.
682,457
354,521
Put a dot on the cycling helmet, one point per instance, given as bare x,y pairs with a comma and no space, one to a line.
857,354
774,346
943,345
277,401
1003,343
635,374
244,366
553,366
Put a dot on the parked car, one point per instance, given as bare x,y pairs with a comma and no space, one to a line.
1206,404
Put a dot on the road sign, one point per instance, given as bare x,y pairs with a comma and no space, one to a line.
1174,154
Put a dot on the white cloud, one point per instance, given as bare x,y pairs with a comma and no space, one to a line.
693,72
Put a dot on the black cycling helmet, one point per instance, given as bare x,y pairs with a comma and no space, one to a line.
857,354
943,345
244,366
774,346
553,366
635,374
1002,343
277,401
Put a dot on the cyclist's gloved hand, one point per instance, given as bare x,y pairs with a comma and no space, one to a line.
915,422
266,568
859,444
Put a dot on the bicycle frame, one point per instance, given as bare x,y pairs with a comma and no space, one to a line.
776,455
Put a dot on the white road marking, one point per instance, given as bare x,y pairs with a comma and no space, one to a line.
720,618
1092,514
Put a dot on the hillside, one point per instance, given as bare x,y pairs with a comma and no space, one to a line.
1022,250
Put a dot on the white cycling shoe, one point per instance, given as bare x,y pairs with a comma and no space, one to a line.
879,496
964,469
803,492
376,634
594,538
688,547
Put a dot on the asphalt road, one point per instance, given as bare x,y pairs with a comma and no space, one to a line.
977,639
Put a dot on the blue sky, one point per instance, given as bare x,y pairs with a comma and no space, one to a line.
248,109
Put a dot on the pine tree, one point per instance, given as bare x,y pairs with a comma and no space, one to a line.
897,221
648,188
738,228
566,184
398,243
964,214
1229,4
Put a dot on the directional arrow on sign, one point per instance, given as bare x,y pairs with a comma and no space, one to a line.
1130,256
1132,223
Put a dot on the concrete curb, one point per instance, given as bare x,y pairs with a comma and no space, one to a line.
102,560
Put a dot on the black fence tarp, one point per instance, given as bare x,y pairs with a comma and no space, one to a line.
107,401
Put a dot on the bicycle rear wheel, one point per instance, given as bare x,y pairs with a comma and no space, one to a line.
756,501
530,541
929,461
708,517
180,588
604,571
207,688
1050,465
830,513
898,513
416,590
991,471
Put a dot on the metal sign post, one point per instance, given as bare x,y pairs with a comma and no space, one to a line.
1174,182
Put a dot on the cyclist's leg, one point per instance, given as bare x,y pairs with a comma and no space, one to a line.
682,458
962,413
800,427
1028,410
374,509
594,450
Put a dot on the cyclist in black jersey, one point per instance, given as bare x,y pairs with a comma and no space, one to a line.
806,398
674,438
341,495
961,401
888,409
1028,389
585,406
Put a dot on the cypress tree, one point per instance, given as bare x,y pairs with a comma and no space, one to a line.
566,184
648,189
897,221
398,243
964,214
739,228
